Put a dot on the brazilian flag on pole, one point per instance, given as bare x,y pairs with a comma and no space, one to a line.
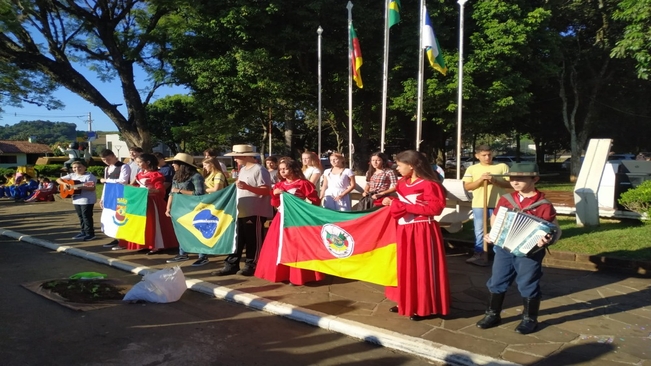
206,224
394,12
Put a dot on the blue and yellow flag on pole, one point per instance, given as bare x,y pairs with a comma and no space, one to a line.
206,224
125,212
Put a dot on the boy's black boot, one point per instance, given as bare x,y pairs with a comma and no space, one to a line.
529,321
492,317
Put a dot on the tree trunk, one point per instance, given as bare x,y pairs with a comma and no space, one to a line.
289,134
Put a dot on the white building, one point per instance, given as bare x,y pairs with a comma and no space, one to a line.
121,150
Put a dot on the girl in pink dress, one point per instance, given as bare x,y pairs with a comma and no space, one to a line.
293,182
159,233
423,288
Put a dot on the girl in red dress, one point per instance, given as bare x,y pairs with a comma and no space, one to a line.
159,232
423,288
293,182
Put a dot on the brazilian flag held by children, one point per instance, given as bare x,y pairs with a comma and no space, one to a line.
206,224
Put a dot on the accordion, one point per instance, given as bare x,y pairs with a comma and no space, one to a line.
519,233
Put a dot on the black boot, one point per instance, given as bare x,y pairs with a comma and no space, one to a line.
529,321
492,317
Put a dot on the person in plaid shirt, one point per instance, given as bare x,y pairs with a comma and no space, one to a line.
380,179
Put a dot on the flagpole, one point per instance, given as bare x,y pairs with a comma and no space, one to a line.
319,31
349,6
462,3
421,71
385,75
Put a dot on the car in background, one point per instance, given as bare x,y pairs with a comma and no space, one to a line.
612,158
567,163
615,157
508,160
325,163
467,163
511,159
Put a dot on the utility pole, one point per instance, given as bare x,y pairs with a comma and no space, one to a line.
90,129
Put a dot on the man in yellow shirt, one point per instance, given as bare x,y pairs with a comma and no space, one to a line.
473,179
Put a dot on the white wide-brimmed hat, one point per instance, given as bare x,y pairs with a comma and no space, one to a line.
243,150
183,158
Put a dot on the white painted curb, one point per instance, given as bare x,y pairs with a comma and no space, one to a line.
383,337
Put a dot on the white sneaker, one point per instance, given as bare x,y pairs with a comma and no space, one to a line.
478,259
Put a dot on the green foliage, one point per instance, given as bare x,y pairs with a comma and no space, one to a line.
50,170
628,239
112,39
636,42
96,170
19,87
4,171
638,199
246,62
46,132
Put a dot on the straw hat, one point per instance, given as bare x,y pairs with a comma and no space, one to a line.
243,150
183,158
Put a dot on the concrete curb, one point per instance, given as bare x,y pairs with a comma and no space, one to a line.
386,338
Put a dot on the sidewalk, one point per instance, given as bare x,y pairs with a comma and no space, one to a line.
587,318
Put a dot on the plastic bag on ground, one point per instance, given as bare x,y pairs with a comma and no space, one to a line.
166,285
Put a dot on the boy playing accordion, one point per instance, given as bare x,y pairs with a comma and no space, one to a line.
526,271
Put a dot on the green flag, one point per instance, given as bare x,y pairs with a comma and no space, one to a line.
206,224
394,12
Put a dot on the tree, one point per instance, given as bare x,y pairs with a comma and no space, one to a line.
113,38
45,132
588,35
23,86
180,122
636,42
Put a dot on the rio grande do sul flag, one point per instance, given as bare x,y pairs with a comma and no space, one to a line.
206,224
355,245
125,212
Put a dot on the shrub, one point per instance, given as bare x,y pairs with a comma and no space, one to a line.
54,170
97,171
4,171
50,170
638,199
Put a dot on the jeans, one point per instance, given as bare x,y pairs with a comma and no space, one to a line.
478,214
85,215
183,252
525,271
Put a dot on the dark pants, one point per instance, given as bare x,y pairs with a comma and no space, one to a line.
85,215
525,271
249,236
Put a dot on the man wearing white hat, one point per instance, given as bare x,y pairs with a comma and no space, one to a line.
254,208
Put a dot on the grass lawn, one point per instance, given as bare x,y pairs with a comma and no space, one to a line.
555,186
615,238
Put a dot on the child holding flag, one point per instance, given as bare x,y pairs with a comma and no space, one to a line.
159,233
423,288
293,182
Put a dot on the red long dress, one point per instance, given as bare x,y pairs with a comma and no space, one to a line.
159,232
423,287
267,269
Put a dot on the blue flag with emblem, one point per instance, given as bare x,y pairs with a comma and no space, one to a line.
206,224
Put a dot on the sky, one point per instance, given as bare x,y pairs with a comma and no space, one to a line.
76,109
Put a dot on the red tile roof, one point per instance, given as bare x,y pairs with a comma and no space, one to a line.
26,147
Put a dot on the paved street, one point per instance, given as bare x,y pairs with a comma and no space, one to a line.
198,330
